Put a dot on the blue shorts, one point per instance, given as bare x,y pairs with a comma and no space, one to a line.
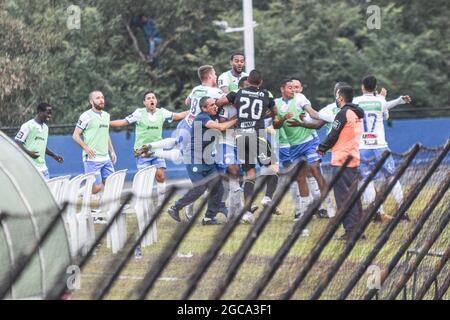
305,151
369,158
142,163
226,156
183,133
285,156
102,169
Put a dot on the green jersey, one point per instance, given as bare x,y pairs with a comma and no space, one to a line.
227,79
34,137
293,135
149,125
95,126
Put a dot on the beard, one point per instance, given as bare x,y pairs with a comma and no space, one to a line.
99,106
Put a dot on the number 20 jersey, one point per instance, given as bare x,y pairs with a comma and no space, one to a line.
251,104
373,136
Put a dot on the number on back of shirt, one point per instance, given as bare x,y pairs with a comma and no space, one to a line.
250,109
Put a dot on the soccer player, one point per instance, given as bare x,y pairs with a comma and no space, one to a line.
96,143
303,142
252,104
177,144
201,164
373,142
229,81
32,139
149,124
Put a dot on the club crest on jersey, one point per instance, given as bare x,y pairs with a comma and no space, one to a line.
336,124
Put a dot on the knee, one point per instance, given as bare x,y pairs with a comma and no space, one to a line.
160,175
96,188
233,171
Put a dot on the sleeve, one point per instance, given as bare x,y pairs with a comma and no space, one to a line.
204,119
271,103
168,115
83,121
217,94
23,133
222,81
268,122
134,117
231,96
224,113
338,125
301,101
326,115
393,103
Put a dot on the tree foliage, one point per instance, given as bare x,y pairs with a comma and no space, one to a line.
320,41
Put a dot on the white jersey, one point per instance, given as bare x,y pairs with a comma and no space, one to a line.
228,112
328,114
196,94
373,136
229,80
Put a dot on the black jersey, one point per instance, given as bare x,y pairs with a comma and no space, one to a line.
251,104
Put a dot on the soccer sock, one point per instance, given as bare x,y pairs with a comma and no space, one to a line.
295,194
160,190
167,143
249,186
329,206
226,191
313,186
304,204
272,184
370,195
397,192
173,155
235,192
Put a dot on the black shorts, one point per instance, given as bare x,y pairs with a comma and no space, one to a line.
253,148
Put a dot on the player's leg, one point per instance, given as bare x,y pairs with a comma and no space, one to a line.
247,158
195,174
314,159
93,166
297,154
268,163
160,178
367,165
388,169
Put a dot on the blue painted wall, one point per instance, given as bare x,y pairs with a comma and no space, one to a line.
401,135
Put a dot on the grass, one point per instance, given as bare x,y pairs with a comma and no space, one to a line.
173,280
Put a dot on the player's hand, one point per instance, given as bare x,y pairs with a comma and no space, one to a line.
383,92
319,152
58,158
288,116
34,154
294,123
91,153
406,99
113,157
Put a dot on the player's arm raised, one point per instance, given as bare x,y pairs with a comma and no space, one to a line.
177,116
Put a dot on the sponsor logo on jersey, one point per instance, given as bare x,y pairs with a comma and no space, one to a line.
336,124
103,126
39,138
